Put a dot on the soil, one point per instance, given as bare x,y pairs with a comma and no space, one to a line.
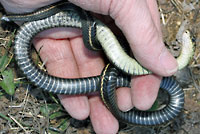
31,110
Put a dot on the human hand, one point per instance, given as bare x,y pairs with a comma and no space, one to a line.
66,56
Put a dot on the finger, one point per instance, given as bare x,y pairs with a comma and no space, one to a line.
76,105
145,90
153,8
124,101
91,63
102,120
61,63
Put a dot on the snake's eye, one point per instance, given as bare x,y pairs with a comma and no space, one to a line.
187,32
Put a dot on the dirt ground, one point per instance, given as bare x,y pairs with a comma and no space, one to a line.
31,110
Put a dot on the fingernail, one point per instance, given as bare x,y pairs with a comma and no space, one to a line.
168,62
127,109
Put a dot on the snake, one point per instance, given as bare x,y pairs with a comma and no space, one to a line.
65,14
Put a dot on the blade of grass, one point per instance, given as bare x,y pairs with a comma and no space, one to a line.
49,108
8,82
5,117
3,62
64,125
57,115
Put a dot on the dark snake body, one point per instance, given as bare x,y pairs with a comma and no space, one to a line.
176,102
70,17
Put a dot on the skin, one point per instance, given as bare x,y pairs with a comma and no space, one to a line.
63,48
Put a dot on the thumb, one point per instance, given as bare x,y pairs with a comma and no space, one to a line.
136,18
